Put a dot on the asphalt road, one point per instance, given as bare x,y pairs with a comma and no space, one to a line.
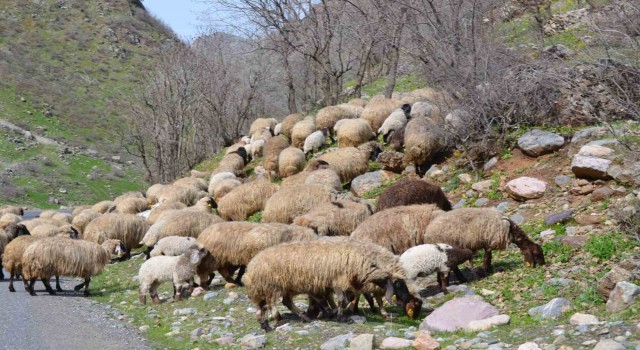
67,320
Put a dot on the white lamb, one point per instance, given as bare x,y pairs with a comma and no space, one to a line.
174,246
425,259
395,121
315,141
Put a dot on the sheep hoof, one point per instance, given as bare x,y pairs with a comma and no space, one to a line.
265,325
143,299
156,300
87,293
51,292
33,293
11,289
78,287
58,289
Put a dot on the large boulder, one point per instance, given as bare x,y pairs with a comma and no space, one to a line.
456,314
538,142
524,188
622,296
590,167
369,181
553,309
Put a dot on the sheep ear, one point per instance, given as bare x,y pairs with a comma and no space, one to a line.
389,291
195,256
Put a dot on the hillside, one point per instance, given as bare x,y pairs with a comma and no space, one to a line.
66,68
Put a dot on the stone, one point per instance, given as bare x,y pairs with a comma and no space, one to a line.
466,178
562,180
529,346
229,285
424,341
395,343
481,202
490,164
546,233
524,188
196,333
185,311
626,174
579,319
362,342
560,281
252,341
602,193
456,314
552,219
336,343
617,274
391,161
482,186
574,241
557,51
284,328
538,142
226,340
589,219
595,151
144,328
487,323
608,344
588,132
590,167
370,181
358,319
197,291
460,204
210,296
582,190
502,207
603,142
622,296
553,309
517,219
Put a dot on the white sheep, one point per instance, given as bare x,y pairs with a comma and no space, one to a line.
174,246
278,129
395,121
178,269
315,141
425,259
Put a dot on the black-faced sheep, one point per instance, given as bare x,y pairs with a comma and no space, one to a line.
272,149
246,200
11,209
301,130
482,228
335,218
7,235
350,162
233,162
295,200
289,121
396,121
46,230
423,139
397,229
413,191
9,218
354,132
377,110
290,161
128,228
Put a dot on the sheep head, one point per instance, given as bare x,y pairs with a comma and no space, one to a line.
411,305
532,252
406,108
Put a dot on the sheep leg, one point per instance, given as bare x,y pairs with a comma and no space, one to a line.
153,290
78,287
12,275
47,286
142,293
288,302
443,281
227,273
383,312
191,287
486,263
58,288
177,295
370,301
1,274
87,280
238,279
31,287
261,316
459,275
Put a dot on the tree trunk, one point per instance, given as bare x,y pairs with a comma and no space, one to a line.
291,98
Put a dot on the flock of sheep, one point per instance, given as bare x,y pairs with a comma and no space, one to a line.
313,238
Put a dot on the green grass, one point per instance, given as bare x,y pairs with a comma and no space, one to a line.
609,245
404,83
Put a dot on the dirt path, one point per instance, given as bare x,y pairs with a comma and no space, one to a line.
28,134
64,321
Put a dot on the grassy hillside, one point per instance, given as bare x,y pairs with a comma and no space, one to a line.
66,67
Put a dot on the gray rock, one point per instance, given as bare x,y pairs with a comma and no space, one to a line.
546,233
590,167
185,311
490,164
369,181
587,133
210,296
553,309
562,180
481,202
457,313
517,219
622,296
538,142
460,204
358,319
196,333
608,344
502,207
552,219
487,323
580,319
529,346
336,343
252,341
395,343
603,142
524,188
560,281
284,328
362,342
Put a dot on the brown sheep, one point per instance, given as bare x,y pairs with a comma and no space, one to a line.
350,162
378,110
272,149
128,228
246,200
335,218
301,130
328,116
354,132
290,161
423,139
413,191
289,121
296,200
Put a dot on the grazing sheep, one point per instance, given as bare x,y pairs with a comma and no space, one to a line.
12,258
413,191
354,132
261,124
222,188
9,218
77,210
4,209
233,246
314,268
158,210
62,256
327,177
233,162
350,162
128,228
262,134
482,228
396,141
289,121
359,102
272,149
257,148
174,193
192,182
131,205
295,200
236,146
377,110
46,230
8,235
277,130
426,110
103,207
81,220
423,139
33,223
397,229
354,111
301,130
63,217
335,218
316,141
246,200
177,269
174,246
396,121
152,193
426,259
215,179
290,161
328,116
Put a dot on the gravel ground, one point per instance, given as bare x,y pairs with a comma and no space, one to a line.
64,321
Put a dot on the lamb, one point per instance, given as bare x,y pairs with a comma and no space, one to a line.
246,200
103,207
290,161
328,116
354,132
131,205
47,230
261,124
177,269
423,139
160,209
314,268
425,259
4,209
482,228
233,246
62,256
335,218
377,110
289,121
128,228
289,202
301,130
413,191
350,162
233,162
81,220
316,141
271,151
397,229
174,246
396,121
257,148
